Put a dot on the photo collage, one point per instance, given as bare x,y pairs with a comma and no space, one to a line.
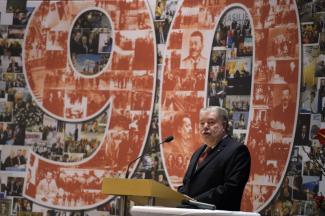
91,42
61,62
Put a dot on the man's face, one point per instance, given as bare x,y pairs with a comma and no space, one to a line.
195,46
186,128
77,36
212,128
21,16
304,128
49,176
180,159
12,154
84,39
292,66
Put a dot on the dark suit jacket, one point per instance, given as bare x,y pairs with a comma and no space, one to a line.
221,177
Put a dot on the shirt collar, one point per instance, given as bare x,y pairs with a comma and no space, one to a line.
224,137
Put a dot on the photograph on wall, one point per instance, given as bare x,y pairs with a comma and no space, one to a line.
14,158
5,206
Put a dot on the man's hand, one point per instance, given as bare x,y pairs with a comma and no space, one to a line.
188,197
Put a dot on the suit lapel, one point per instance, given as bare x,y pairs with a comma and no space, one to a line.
192,166
221,146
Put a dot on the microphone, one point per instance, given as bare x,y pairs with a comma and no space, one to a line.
199,205
166,140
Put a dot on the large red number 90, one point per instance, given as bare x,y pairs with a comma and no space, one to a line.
272,103
70,95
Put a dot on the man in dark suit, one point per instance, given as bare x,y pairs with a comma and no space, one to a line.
75,45
219,169
3,134
302,136
13,66
195,59
20,158
283,114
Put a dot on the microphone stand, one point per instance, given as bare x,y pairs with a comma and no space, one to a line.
123,199
127,173
128,168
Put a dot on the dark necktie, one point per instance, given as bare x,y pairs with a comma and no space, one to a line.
194,65
204,155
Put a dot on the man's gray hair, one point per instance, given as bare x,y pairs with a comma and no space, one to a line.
221,112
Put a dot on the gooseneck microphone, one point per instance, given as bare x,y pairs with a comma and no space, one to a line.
166,140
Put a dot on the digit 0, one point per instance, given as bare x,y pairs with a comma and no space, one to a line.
248,62
80,59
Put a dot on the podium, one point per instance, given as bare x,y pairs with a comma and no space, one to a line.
141,192
164,211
